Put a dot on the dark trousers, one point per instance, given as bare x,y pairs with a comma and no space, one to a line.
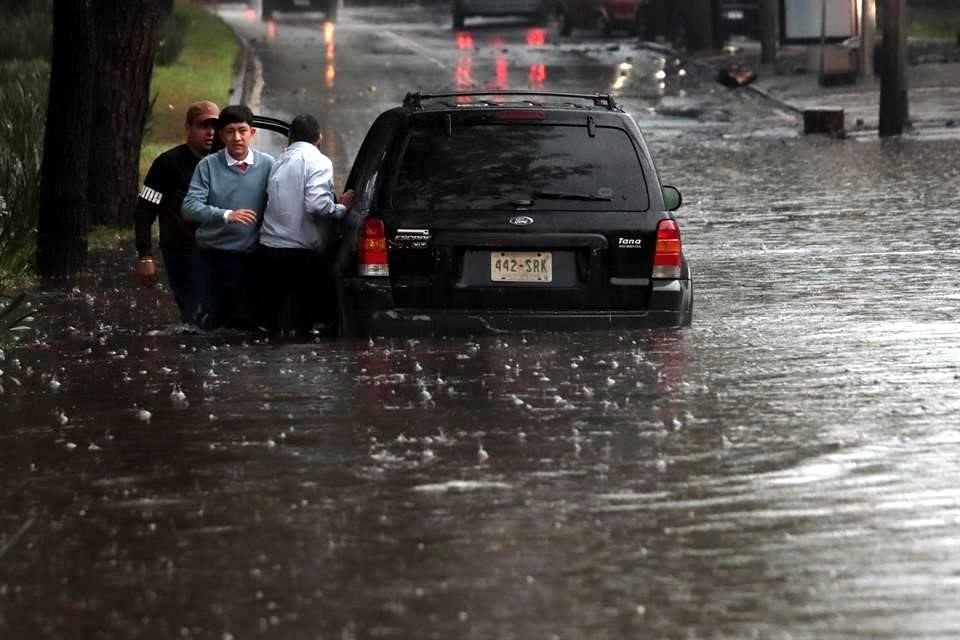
226,288
184,276
295,290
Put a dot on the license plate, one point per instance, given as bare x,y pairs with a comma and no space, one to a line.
521,266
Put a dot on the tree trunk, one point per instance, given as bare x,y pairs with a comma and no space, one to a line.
126,42
64,211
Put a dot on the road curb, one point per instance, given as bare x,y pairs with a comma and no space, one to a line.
247,84
763,93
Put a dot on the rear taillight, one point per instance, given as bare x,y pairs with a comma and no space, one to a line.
372,252
668,253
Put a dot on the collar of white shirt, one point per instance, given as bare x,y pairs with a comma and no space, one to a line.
302,145
231,161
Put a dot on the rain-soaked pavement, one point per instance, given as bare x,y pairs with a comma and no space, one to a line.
786,468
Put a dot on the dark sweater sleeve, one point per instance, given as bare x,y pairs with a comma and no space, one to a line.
148,206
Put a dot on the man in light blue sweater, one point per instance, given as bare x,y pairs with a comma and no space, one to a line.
227,196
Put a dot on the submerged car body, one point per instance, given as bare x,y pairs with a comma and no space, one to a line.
269,8
605,16
508,211
463,9
700,24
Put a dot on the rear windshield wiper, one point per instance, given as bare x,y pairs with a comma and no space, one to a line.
560,195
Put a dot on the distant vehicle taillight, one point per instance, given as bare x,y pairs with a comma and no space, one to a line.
668,252
372,253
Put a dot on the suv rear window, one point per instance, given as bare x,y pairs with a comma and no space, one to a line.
538,166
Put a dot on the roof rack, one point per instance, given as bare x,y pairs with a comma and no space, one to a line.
415,99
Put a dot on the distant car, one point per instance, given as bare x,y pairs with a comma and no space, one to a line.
605,16
700,24
537,10
270,7
509,211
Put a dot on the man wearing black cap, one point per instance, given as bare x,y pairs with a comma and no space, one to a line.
164,187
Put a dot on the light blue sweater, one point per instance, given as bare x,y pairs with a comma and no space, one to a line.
217,188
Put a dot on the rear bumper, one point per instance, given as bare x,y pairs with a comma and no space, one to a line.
368,310
620,15
291,5
488,8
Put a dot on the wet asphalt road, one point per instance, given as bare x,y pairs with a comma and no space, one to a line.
786,468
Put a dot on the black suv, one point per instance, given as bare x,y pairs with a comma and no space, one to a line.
505,211
328,7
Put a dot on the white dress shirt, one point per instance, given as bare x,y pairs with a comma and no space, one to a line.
300,201
249,161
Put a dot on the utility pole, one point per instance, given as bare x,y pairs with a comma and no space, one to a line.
770,22
893,74
868,27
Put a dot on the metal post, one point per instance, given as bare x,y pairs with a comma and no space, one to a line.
823,36
893,77
770,20
868,27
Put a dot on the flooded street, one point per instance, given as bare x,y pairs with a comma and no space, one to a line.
788,467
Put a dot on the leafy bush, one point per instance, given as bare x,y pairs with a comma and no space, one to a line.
172,36
14,316
23,89
27,32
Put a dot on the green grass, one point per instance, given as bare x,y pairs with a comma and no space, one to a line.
108,238
202,72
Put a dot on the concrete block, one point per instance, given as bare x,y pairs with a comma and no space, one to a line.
823,120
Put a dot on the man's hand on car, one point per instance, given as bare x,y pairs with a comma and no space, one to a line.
147,272
242,216
347,199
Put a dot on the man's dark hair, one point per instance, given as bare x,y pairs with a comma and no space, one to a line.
233,114
304,128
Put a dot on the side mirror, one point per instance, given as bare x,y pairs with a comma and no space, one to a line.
672,198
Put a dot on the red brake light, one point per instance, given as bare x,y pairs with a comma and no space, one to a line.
372,252
668,253
518,115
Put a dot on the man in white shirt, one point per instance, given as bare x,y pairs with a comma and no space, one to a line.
297,225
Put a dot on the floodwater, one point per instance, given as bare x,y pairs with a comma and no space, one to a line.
785,468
